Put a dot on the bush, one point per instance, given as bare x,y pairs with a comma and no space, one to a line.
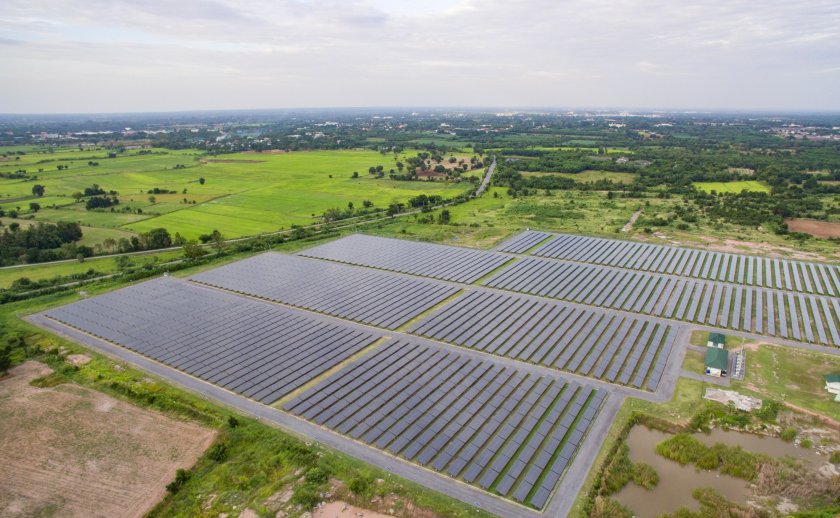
644,475
806,443
218,452
835,457
306,496
359,485
788,434
181,478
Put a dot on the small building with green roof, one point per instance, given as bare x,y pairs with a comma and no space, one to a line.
716,340
717,361
832,383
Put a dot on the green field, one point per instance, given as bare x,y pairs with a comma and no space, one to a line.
591,175
243,194
733,187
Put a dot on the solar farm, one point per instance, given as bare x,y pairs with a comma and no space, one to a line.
488,367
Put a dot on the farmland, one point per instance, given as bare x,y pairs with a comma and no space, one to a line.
733,187
117,454
241,194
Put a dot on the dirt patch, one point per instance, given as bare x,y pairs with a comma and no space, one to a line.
267,152
72,451
341,509
629,225
814,227
231,161
78,359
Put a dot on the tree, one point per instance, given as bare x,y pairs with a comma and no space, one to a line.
123,262
38,190
444,217
152,199
355,174
109,243
34,207
350,205
218,241
201,180
193,251
367,204
181,478
156,238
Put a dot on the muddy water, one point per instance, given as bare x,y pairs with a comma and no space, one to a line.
675,482
772,446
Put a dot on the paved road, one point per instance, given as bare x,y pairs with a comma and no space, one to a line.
485,182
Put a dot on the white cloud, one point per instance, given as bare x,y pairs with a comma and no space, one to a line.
131,55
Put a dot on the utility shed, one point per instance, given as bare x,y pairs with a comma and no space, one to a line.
716,340
717,361
832,383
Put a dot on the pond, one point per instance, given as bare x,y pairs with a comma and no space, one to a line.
677,482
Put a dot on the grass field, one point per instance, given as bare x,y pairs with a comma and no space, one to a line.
243,194
486,221
591,175
795,376
103,265
733,187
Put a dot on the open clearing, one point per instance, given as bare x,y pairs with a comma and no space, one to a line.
814,227
72,451
733,187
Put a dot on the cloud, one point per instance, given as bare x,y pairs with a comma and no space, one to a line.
160,55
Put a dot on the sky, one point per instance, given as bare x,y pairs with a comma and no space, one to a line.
86,56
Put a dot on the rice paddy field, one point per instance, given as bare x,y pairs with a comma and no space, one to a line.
242,194
733,187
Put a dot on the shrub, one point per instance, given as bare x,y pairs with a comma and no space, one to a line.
806,443
359,485
306,496
788,434
218,452
181,478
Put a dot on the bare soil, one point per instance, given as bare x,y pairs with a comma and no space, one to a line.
814,227
341,509
72,451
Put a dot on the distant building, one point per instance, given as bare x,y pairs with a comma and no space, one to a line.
717,361
832,383
716,340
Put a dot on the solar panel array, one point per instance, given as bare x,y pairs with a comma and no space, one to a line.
253,348
784,274
437,261
501,428
364,295
523,242
797,316
615,348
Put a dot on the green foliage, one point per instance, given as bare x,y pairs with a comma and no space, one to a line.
731,460
218,452
806,443
645,476
359,485
232,422
835,457
182,476
788,434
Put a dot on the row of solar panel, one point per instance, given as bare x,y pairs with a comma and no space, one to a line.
797,316
524,241
615,348
428,260
784,274
499,427
254,348
363,295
